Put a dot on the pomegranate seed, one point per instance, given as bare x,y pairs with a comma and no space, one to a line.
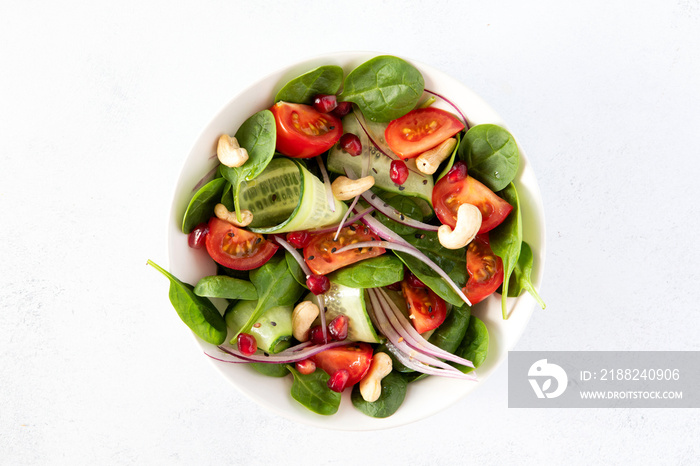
342,109
306,367
299,239
458,172
316,335
318,284
338,328
197,236
338,380
324,103
247,343
351,144
398,172
413,281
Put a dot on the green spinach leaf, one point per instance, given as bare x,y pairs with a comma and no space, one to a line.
199,314
393,394
451,160
521,279
312,392
201,207
405,205
222,286
452,261
491,154
275,286
258,135
385,88
227,196
376,272
505,240
271,370
450,334
303,89
295,269
475,345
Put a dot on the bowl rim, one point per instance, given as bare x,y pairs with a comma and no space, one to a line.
521,308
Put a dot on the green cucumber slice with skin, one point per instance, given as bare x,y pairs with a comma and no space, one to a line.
287,197
274,333
341,299
417,185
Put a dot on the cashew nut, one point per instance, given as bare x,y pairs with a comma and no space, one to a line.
370,385
223,213
344,188
230,153
303,316
429,161
468,224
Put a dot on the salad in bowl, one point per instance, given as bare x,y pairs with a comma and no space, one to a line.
356,241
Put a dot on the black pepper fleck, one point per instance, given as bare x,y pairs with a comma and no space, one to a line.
311,258
274,324
401,188
334,249
425,181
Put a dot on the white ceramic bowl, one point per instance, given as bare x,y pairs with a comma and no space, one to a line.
421,401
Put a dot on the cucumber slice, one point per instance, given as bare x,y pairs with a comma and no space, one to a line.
417,184
273,195
287,197
274,333
341,299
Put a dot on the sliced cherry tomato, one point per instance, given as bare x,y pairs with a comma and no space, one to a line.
355,358
303,132
320,253
237,248
427,310
419,130
449,195
485,270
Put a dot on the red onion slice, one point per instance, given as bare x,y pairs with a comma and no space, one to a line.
327,183
348,222
464,119
425,369
376,202
393,331
414,339
305,268
413,252
295,254
302,351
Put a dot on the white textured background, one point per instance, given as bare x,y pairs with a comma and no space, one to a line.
100,102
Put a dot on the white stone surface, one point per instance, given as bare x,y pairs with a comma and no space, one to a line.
100,102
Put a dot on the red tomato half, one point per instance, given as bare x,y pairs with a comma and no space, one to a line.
449,195
235,247
426,309
355,358
320,253
485,270
303,132
419,130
